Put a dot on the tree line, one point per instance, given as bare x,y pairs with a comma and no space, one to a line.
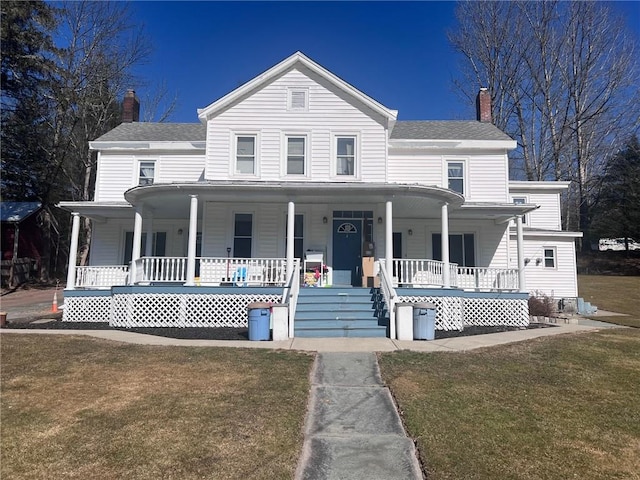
65,68
564,83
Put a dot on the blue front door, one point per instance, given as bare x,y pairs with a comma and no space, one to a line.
347,257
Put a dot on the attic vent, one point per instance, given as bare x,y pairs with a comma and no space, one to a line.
298,99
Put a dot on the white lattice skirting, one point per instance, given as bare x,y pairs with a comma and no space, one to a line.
495,311
448,310
86,308
184,310
455,312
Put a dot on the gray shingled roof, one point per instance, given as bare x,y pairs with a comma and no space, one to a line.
446,130
408,130
155,132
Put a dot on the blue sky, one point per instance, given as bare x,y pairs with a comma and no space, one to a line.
395,52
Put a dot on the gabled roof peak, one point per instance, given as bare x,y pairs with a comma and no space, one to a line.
296,58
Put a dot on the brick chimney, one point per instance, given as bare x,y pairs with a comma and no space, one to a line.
483,106
130,107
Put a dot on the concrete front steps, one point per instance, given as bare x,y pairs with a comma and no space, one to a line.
338,312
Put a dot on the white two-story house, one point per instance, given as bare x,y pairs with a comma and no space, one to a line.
295,186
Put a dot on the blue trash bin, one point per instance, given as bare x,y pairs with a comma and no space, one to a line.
259,321
424,321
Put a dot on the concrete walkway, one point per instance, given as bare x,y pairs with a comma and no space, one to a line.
455,344
353,429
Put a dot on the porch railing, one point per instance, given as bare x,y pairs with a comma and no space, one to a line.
481,278
98,276
243,271
161,270
423,273
428,273
390,296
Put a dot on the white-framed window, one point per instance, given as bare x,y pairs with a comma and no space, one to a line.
521,201
296,163
549,260
346,155
462,248
245,154
242,235
455,176
298,99
146,172
158,245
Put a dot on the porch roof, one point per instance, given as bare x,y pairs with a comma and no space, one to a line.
405,197
409,200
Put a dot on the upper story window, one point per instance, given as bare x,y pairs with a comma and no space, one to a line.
147,173
455,176
298,99
245,155
346,156
521,201
296,153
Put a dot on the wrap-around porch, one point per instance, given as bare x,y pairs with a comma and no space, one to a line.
286,275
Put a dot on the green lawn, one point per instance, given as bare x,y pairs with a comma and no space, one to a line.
613,293
552,408
80,408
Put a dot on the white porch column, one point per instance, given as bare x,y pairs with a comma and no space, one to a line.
193,234
444,240
388,238
148,248
73,251
291,217
137,240
520,244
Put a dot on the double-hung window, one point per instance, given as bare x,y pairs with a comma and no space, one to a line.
455,176
346,156
549,257
245,155
242,233
296,152
147,173
461,248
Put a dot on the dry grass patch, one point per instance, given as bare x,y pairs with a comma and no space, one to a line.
615,294
555,407
82,408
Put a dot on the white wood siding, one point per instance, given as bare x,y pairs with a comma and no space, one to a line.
548,215
555,282
490,239
486,175
107,246
119,172
265,114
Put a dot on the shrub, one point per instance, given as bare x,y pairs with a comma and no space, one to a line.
541,305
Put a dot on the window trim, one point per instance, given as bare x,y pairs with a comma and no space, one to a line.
526,200
356,157
233,231
290,92
446,178
285,154
234,155
139,172
554,257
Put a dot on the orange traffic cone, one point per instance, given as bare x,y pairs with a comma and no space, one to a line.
54,306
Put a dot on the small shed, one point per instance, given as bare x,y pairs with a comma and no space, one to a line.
21,241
